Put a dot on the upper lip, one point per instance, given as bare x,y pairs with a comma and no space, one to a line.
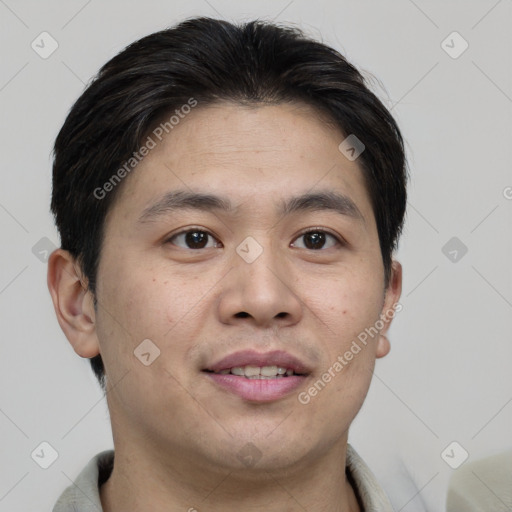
243,358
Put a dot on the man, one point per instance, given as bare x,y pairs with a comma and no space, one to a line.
229,199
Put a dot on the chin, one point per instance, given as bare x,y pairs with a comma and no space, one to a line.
262,455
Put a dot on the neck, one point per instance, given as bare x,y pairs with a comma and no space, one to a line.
147,479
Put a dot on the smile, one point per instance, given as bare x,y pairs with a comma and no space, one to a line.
259,372
258,377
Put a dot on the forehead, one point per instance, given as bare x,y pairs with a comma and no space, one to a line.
268,152
266,134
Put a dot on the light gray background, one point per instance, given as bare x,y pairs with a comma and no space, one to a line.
448,375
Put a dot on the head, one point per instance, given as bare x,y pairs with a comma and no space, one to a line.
187,143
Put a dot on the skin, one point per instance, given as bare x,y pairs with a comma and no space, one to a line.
176,434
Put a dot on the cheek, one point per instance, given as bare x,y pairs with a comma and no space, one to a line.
348,307
348,304
156,304
137,293
131,309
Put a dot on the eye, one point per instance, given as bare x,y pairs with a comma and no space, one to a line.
315,239
193,239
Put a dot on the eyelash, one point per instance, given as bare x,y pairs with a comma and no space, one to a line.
339,241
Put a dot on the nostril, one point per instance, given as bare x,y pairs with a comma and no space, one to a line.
242,314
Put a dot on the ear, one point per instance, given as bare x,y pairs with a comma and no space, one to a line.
73,303
391,307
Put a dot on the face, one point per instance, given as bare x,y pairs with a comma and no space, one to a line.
280,269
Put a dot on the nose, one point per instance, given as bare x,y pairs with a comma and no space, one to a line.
261,292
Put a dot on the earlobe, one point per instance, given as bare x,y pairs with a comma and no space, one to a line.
73,303
383,346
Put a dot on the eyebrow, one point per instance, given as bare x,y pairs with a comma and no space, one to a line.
325,200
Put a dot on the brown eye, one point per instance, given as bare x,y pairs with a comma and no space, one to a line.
193,239
317,239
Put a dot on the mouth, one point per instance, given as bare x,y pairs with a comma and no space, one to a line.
258,377
258,372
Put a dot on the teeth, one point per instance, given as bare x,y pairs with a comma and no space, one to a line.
252,371
268,371
259,372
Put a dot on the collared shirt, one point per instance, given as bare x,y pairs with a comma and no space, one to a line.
84,494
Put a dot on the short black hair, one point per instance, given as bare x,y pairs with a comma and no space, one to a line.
204,60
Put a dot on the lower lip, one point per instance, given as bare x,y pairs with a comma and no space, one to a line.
257,390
